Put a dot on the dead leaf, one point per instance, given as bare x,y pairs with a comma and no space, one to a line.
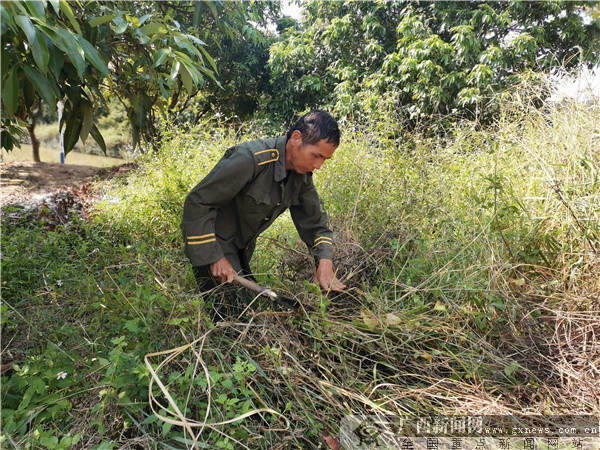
439,306
332,442
392,319
369,319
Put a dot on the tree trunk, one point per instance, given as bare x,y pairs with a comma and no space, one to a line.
35,142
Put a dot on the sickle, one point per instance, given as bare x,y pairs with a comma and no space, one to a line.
286,302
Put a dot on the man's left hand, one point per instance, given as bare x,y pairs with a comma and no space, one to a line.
326,278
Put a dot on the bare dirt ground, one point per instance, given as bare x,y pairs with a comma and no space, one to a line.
23,181
50,191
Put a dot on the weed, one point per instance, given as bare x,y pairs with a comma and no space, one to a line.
471,262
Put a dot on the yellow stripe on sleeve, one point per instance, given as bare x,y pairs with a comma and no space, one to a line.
201,242
195,240
323,240
201,237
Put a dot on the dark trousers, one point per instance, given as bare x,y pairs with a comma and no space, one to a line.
228,301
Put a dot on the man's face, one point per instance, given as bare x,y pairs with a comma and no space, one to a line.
305,158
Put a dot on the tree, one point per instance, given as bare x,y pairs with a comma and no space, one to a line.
149,54
424,59
243,75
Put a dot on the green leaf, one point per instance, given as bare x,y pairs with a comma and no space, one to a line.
510,370
187,80
213,10
56,39
92,55
36,8
174,71
195,39
139,112
5,18
88,120
8,141
49,441
43,87
10,93
152,28
369,319
439,306
36,42
135,134
72,49
29,94
57,61
21,8
36,386
56,5
160,56
142,38
5,62
97,21
72,130
121,25
209,58
95,133
164,89
65,40
197,14
67,11
40,52
144,18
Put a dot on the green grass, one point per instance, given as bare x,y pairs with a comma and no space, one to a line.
52,154
471,261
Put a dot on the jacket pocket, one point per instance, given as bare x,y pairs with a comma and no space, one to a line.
259,196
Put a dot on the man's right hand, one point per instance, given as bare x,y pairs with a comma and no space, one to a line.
223,271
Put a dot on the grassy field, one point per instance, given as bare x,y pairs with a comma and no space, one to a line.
53,155
472,262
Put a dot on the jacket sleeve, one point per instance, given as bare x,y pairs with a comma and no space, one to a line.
219,187
312,223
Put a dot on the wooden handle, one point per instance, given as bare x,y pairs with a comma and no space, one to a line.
249,284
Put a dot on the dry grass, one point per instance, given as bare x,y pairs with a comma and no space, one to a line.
472,264
522,340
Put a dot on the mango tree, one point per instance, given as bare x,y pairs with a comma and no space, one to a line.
149,54
425,60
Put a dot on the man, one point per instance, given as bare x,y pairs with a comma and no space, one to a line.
248,189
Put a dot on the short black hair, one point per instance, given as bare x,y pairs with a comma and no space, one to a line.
315,126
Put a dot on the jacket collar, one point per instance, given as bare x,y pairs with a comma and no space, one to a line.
280,172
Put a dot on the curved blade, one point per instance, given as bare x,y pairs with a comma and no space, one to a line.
286,302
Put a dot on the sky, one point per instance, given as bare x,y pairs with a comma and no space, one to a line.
290,9
583,87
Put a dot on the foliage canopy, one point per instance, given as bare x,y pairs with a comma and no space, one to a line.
359,59
425,59
150,55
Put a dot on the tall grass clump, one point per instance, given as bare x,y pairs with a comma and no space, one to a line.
471,260
479,239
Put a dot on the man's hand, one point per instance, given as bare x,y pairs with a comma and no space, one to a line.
326,278
223,271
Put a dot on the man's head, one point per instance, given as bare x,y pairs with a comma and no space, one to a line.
315,126
311,141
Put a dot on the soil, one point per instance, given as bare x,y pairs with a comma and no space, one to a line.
22,181
50,190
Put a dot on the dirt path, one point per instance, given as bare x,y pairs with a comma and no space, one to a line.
24,181
50,192
21,181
